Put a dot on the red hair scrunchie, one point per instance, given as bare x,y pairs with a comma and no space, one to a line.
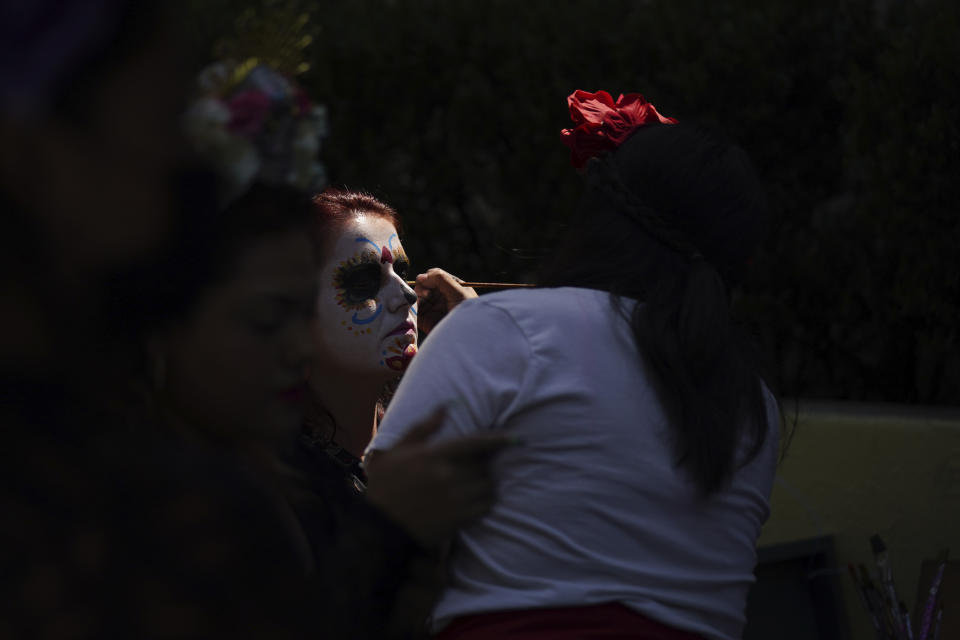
602,124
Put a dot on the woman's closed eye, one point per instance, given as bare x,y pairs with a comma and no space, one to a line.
266,318
272,313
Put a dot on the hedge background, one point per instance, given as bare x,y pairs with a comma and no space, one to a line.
451,109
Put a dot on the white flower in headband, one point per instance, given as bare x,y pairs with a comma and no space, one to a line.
252,124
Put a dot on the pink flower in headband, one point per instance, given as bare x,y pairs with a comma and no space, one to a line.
248,111
303,101
253,124
602,124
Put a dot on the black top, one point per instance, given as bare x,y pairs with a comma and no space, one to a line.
110,530
361,557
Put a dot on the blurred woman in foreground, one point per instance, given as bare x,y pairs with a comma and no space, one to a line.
109,529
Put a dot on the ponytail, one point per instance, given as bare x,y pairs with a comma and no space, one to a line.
666,223
709,390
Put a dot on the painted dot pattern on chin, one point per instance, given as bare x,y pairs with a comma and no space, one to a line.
401,356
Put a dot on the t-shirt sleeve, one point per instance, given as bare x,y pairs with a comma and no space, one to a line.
473,365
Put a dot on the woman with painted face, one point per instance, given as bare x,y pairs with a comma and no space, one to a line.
367,320
366,324
634,506
366,335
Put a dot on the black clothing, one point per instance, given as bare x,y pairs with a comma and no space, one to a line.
110,531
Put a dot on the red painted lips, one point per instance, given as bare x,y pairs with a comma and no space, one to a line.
403,328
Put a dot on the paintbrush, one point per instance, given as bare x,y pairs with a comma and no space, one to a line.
488,285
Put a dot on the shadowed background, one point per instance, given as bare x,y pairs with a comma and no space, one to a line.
451,110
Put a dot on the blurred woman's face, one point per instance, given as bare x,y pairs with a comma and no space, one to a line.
236,367
366,314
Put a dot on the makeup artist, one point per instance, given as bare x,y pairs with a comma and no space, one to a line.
650,438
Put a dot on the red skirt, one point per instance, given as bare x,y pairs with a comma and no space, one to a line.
610,621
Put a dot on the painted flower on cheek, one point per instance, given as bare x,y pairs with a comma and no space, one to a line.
350,313
357,282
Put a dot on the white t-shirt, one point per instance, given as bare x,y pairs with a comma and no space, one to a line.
591,507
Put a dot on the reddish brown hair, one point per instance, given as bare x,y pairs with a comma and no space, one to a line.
334,207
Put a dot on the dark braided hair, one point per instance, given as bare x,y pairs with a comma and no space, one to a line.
669,219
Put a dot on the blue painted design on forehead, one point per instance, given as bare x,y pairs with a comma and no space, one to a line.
369,242
357,320
390,241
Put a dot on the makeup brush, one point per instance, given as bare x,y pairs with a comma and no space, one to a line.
488,285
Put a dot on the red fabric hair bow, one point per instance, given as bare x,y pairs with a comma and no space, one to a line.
602,124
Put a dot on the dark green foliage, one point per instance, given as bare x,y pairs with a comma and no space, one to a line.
451,110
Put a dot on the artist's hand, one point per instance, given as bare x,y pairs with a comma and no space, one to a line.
438,293
433,489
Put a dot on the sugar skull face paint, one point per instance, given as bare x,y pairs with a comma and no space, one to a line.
366,313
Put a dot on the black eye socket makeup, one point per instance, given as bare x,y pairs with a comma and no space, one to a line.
359,279
362,283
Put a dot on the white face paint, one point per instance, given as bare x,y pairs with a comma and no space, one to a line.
366,314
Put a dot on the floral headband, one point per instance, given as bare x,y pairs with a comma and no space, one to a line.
602,124
253,124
